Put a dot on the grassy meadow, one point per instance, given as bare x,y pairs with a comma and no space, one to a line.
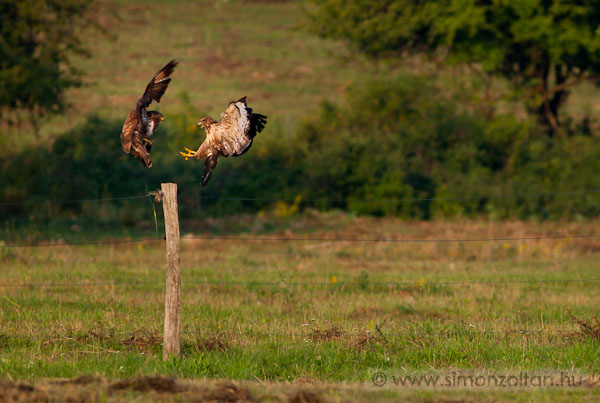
226,50
306,314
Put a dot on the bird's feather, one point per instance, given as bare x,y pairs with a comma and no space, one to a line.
158,85
131,122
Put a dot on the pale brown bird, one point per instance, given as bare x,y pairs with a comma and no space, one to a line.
140,123
230,137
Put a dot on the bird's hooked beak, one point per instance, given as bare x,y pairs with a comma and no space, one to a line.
162,118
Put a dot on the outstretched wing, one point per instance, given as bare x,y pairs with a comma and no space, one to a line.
257,121
157,86
238,127
128,130
257,124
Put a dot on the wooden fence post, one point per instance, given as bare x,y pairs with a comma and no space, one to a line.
171,346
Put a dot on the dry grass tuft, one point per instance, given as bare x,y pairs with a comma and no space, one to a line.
588,328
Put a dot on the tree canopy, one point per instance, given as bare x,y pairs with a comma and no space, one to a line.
36,39
543,47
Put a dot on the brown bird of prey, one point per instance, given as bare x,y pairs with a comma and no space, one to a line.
140,123
230,137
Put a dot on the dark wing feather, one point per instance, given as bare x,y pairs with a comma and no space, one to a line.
257,123
158,85
128,129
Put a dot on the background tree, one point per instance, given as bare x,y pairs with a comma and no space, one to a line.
544,47
36,39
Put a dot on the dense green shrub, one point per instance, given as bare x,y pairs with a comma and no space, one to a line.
399,138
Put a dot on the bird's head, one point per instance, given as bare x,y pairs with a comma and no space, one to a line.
206,121
156,115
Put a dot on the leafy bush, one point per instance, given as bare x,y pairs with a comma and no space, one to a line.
399,138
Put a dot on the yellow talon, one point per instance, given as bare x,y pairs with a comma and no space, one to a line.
189,153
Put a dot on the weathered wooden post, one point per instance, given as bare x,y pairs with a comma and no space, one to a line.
171,346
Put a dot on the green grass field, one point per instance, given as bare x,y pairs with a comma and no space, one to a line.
340,327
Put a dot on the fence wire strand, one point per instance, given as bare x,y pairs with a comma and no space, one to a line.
306,283
109,242
404,200
449,240
74,201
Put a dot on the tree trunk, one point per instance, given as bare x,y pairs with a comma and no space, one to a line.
548,111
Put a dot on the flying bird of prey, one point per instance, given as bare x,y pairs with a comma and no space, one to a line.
230,137
141,123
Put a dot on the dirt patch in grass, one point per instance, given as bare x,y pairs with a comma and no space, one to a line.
21,392
169,389
160,384
212,343
588,328
363,340
306,396
80,380
153,388
222,391
331,333
227,392
145,341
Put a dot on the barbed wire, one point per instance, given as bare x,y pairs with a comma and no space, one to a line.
74,201
424,283
449,240
82,284
390,283
109,242
404,200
